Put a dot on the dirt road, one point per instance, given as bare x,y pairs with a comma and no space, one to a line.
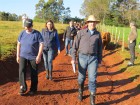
114,86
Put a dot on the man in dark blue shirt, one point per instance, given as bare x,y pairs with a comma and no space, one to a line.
29,51
88,43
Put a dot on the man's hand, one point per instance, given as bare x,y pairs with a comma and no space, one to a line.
73,61
18,59
131,41
99,65
63,39
71,34
139,46
38,60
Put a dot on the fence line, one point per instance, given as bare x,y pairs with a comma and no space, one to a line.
117,34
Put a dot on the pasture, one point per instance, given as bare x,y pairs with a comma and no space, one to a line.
114,74
118,32
9,31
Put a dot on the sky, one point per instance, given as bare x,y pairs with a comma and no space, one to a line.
20,7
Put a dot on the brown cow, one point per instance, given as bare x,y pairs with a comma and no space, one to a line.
105,39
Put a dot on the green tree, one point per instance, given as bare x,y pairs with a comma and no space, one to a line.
99,8
52,9
128,10
39,9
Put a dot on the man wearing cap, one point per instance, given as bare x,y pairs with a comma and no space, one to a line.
88,43
29,51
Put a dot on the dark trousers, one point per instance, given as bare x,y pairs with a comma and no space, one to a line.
132,51
22,73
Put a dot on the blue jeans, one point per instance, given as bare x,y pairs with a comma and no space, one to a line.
48,58
90,63
67,42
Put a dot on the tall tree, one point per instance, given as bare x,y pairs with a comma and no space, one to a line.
128,10
39,9
113,11
52,9
97,7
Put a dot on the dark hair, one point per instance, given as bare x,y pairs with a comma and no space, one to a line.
53,27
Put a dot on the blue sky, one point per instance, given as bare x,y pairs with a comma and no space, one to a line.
20,7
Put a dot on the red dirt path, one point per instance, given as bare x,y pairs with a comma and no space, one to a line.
114,86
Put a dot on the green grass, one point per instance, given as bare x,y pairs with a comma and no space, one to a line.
134,70
124,54
121,31
9,32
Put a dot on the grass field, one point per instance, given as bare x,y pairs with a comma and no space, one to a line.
133,70
9,32
125,54
115,31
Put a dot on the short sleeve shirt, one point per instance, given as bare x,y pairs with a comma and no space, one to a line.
29,44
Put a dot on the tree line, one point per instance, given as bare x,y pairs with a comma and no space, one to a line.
6,16
52,9
113,12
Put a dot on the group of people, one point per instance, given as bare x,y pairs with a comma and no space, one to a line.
87,43
30,47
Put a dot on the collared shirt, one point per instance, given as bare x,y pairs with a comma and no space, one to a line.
29,43
133,34
50,39
68,33
87,43
91,31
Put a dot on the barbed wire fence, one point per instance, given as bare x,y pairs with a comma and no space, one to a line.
117,34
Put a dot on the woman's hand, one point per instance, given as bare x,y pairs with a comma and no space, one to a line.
58,52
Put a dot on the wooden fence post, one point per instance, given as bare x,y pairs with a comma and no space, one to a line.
116,35
123,39
112,34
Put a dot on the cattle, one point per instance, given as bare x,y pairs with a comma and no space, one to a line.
105,39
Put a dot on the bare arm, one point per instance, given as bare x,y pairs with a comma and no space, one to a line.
18,52
38,58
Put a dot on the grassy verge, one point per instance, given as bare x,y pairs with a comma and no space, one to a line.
115,31
133,70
